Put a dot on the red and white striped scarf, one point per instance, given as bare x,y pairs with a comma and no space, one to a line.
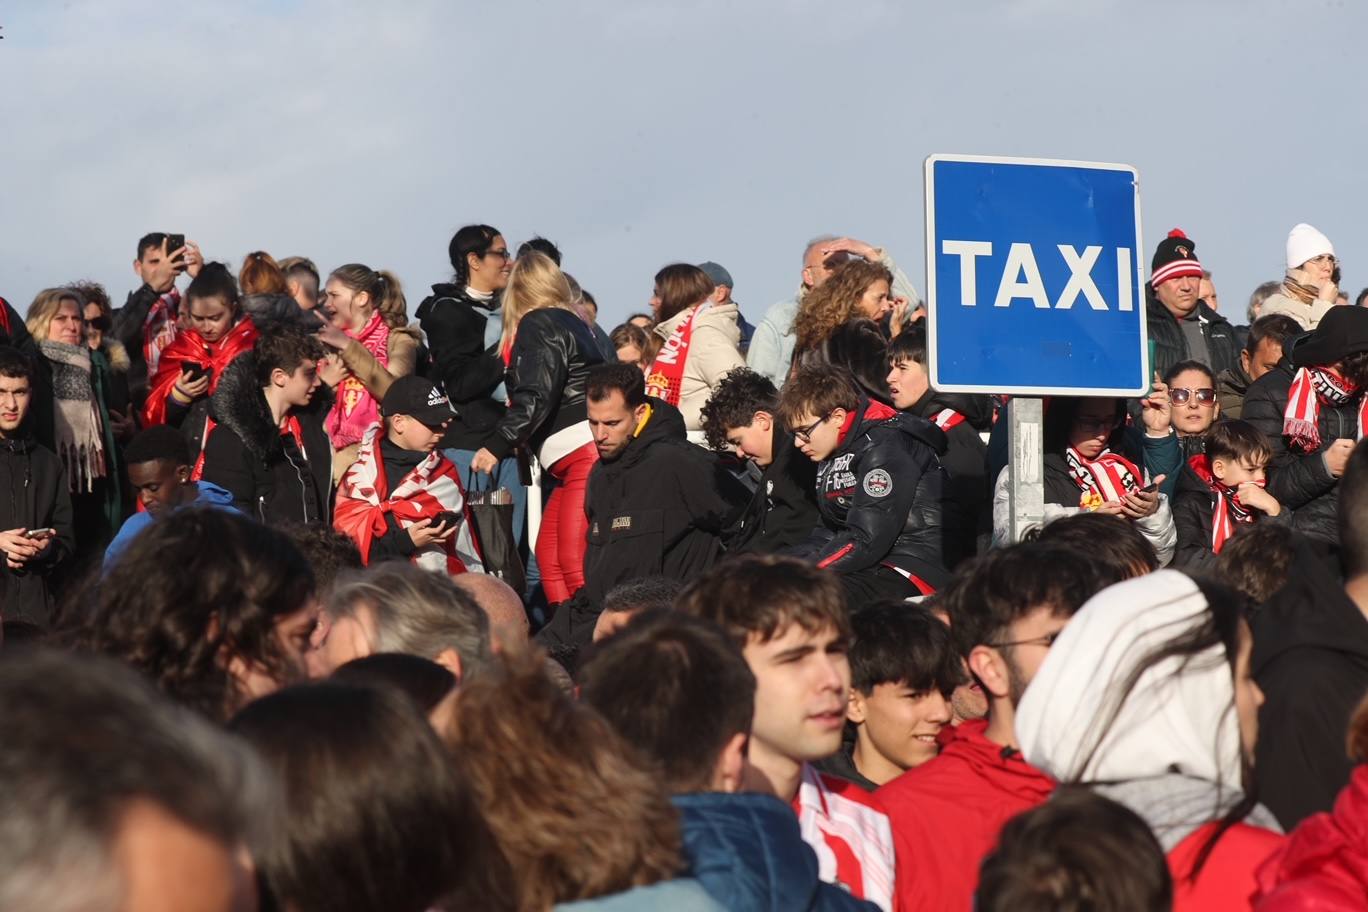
430,488
945,419
159,329
1311,388
1227,510
1108,477
665,379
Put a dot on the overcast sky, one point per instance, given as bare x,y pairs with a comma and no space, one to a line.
639,132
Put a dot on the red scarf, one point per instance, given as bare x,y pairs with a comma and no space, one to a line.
1108,477
1311,388
430,488
945,419
876,411
190,346
666,376
159,329
355,409
1227,511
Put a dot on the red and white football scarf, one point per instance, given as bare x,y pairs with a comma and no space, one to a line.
430,488
945,419
1227,510
159,329
1106,478
666,376
355,409
1311,388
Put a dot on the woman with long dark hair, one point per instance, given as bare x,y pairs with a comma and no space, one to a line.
1147,696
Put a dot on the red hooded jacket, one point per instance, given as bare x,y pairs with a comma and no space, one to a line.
1323,865
947,813
190,346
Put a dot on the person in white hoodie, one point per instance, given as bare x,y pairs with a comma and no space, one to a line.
1310,289
1147,697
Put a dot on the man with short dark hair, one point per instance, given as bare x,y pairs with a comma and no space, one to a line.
36,527
657,505
879,486
625,601
1311,661
1005,609
743,416
159,467
789,620
146,323
301,280
115,798
1268,338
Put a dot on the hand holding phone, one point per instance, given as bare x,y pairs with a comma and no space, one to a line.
448,519
39,534
195,369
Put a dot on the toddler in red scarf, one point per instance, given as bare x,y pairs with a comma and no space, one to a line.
1222,489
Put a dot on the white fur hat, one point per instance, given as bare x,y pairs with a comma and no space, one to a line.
1306,243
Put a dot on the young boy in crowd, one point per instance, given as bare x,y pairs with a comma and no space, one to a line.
879,486
159,465
36,532
961,417
789,620
402,498
903,671
742,416
1222,489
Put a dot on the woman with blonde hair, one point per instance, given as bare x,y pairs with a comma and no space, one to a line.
377,346
76,425
548,351
840,323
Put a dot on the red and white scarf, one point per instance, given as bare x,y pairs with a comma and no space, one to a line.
355,409
1311,388
666,376
159,329
945,419
1108,477
430,488
1227,510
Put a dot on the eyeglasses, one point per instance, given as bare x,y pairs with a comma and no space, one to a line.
1047,641
1205,396
502,254
1095,425
805,434
1326,258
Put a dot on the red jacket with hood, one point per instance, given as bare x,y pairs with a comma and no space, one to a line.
1323,865
947,813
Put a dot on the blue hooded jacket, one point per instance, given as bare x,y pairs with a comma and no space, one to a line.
209,495
748,853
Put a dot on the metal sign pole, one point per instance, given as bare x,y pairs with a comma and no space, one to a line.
1026,479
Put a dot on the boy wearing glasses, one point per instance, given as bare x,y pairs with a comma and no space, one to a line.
879,486
1221,490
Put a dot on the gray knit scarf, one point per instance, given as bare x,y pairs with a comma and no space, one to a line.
79,438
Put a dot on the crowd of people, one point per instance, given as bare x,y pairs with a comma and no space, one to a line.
309,605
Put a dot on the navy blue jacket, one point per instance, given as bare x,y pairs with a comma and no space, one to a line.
748,853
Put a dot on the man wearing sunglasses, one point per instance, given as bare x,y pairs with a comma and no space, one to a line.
879,486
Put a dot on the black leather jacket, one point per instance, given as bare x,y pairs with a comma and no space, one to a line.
552,354
880,493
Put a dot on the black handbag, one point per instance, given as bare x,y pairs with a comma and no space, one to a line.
491,514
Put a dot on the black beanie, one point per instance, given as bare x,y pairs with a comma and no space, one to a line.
1176,256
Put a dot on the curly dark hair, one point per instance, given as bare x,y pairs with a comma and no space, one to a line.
734,402
93,293
192,586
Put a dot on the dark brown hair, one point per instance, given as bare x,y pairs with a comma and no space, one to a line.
569,803
817,390
679,287
759,595
1237,441
1258,559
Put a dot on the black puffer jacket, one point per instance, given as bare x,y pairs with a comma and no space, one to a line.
1170,345
861,347
127,328
468,369
1194,509
969,491
880,494
1301,482
783,508
552,354
270,478
33,495
659,509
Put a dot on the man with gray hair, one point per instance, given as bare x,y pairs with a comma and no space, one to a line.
398,607
771,347
115,799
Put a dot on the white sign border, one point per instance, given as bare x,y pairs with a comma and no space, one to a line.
931,337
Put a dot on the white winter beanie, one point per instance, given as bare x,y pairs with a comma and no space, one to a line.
1306,243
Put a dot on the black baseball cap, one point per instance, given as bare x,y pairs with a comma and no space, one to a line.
419,399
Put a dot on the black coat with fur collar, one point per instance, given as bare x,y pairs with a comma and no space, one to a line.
270,478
